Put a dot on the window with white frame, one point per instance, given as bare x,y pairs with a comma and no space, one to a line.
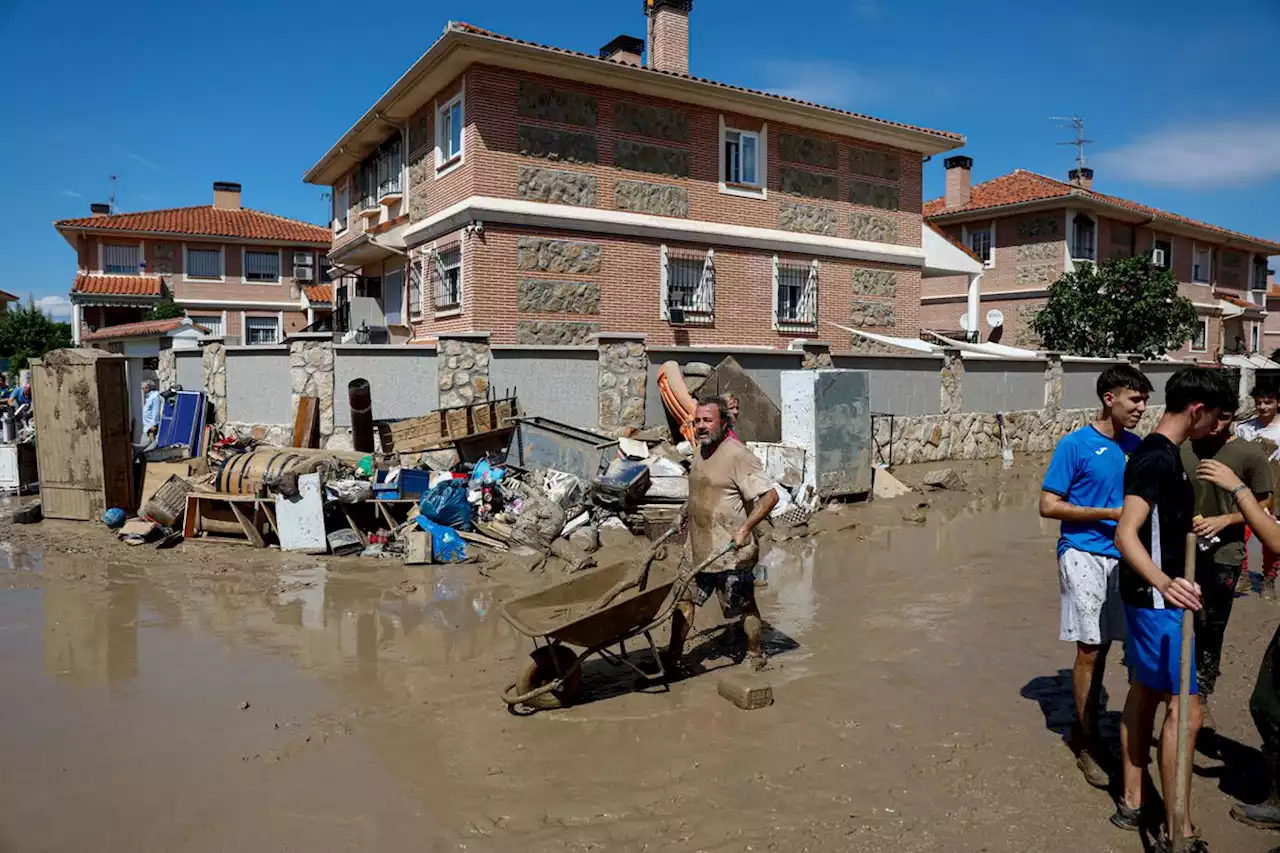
259,331
448,279
390,165
203,263
212,322
1162,253
262,265
1255,337
1201,264
341,204
449,124
795,294
121,258
742,157
1084,238
981,244
415,288
688,285
1200,339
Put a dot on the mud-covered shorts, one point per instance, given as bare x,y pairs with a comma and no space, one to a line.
736,588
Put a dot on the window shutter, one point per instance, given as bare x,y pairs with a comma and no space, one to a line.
809,299
704,298
664,275
775,291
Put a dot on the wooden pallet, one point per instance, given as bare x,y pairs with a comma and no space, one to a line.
444,426
239,518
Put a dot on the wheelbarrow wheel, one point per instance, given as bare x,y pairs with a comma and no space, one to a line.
542,669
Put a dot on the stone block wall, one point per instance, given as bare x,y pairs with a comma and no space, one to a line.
215,379
311,369
167,369
462,365
624,371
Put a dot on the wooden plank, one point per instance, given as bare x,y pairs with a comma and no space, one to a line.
364,540
386,515
271,517
418,548
251,533
481,539
306,423
156,474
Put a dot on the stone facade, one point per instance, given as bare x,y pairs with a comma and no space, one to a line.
1026,335
817,356
658,159
420,171
311,369
167,370
540,296
867,346
1029,275
1040,227
462,368
557,256
952,382
556,186
644,197
793,148
555,332
873,195
534,100
624,370
879,283
811,184
214,362
565,146
1030,252
868,226
874,164
656,122
1053,383
806,218
162,258
871,314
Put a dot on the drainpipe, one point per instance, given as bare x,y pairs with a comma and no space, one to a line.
975,297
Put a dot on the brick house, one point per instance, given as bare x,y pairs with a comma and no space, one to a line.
242,274
1029,229
544,196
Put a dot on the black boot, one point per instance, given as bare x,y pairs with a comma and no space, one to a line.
1265,815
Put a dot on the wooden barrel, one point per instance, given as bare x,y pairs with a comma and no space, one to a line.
243,474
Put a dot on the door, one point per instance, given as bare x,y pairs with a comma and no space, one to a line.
393,298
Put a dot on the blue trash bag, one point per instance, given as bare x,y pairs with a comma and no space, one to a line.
114,518
446,545
447,504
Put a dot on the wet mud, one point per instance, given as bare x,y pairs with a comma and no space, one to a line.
219,698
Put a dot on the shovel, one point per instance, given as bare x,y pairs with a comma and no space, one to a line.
1178,824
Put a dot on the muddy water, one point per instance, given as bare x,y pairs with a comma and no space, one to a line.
916,672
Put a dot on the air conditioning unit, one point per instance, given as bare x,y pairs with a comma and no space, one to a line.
302,259
1157,257
302,273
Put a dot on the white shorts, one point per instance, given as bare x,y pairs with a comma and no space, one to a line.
1091,609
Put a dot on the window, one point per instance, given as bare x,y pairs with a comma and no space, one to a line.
1259,274
688,285
389,167
262,266
369,184
449,123
1084,246
121,259
204,264
795,293
980,243
212,322
741,157
448,284
1201,265
415,288
261,330
1162,254
1200,340
1255,337
341,202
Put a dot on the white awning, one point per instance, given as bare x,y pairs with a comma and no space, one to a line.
1253,361
943,258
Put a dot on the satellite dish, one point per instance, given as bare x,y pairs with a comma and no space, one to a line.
964,321
995,318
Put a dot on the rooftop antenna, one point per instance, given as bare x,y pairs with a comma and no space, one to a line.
111,202
1075,123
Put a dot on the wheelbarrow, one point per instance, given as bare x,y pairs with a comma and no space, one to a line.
570,614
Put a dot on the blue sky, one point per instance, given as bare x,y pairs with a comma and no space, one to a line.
169,97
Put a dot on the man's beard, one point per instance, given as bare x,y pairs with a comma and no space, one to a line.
710,438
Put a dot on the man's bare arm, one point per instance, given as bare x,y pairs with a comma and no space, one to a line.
1177,591
1260,521
759,512
1056,506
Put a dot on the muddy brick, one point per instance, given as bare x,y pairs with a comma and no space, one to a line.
746,691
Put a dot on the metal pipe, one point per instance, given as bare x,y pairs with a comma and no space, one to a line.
360,399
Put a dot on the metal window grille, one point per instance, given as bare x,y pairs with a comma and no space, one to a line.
260,330
448,279
261,266
797,294
690,286
212,323
122,260
415,288
204,263
980,243
389,167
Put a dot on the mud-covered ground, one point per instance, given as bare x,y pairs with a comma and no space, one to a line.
215,697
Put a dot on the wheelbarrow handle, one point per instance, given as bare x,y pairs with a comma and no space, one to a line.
686,578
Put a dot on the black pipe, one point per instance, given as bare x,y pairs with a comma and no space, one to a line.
361,415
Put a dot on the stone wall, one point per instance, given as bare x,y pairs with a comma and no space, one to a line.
644,197
555,332
556,186
881,283
167,370
215,379
557,256
462,366
624,370
544,296
868,226
646,120
534,100
566,146
875,164
812,184
793,148
311,370
870,314
658,159
873,195
806,218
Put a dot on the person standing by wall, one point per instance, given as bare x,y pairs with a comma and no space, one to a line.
150,412
1084,489
1264,429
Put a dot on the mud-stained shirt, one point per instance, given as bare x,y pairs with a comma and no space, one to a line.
722,489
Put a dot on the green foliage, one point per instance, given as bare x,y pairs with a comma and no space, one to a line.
165,309
1123,306
26,333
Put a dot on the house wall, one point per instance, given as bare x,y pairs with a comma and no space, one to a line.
562,384
259,385
402,381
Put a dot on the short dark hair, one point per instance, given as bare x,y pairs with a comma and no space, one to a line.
721,407
1192,385
1123,376
1265,388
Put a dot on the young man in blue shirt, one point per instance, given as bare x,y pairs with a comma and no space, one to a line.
1084,489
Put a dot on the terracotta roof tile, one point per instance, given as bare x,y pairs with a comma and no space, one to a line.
1021,186
142,329
207,221
468,28
319,293
117,285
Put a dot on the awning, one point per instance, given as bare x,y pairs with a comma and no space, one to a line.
1253,361
943,257
993,350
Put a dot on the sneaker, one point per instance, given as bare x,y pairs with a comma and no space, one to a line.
1128,819
1244,584
1269,588
1263,815
1092,770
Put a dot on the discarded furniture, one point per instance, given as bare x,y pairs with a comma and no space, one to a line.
85,456
239,517
18,469
306,423
446,426
182,421
301,517
544,443
829,413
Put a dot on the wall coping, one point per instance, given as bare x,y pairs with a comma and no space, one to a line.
576,348
914,356
731,350
280,348
355,348
308,336
474,336
621,336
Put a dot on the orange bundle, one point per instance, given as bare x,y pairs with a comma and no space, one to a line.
676,397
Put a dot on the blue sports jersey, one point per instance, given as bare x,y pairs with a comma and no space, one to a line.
1087,469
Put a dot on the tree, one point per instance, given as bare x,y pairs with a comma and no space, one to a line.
26,333
165,309
1123,306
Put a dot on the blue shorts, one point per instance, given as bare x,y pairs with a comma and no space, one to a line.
1153,648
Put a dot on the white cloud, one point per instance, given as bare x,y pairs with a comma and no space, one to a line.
55,307
827,83
70,193
143,160
1228,154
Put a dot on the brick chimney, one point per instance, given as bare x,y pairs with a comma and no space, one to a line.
98,208
669,34
226,195
627,50
959,180
1082,178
